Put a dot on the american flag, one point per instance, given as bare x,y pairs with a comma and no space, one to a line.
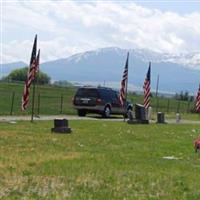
146,87
30,75
197,104
123,90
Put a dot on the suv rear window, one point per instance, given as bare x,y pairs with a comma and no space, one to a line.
87,92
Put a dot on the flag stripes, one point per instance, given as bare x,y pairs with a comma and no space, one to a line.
147,88
197,104
122,94
26,93
34,63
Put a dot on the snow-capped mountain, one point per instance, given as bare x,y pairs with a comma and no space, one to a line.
189,60
107,65
177,72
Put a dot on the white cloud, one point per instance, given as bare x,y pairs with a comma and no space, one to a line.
68,27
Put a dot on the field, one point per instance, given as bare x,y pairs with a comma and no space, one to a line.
99,160
58,100
49,99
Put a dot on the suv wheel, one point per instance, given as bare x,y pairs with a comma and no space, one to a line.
81,113
106,112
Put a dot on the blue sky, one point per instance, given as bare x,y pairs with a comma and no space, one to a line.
68,27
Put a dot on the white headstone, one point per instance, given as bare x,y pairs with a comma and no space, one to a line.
149,113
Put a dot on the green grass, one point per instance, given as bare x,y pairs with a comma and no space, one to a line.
99,160
50,101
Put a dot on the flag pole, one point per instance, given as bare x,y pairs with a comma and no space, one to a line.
126,90
33,101
157,85
147,89
127,79
197,100
38,93
36,69
37,78
33,60
199,89
199,111
30,79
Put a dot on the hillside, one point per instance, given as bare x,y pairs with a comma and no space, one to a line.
107,65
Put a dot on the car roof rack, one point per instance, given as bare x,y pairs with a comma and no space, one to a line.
96,87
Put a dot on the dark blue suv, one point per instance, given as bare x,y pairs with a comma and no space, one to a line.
101,100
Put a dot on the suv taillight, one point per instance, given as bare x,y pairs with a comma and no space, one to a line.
98,101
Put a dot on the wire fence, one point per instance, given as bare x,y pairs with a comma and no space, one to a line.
172,105
61,103
53,100
167,105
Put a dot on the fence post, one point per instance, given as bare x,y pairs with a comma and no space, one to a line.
12,103
188,106
168,103
61,104
178,106
157,104
38,111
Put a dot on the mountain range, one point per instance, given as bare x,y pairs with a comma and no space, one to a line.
177,72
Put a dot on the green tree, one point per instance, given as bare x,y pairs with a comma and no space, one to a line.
21,75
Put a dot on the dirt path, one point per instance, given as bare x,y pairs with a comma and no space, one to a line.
74,117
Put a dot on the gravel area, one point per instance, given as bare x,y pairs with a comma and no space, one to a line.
74,117
51,117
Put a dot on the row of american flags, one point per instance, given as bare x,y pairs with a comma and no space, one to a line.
31,75
146,88
34,68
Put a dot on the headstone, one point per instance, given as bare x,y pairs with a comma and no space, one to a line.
141,114
160,117
61,126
